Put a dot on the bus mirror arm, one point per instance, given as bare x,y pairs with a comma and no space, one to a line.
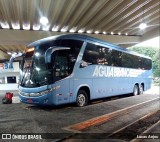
50,50
12,59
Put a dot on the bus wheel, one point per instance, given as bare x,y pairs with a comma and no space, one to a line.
82,98
141,90
135,90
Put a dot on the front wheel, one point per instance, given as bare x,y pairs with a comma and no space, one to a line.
135,90
82,98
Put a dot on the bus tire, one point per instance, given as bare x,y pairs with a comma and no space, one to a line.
141,89
135,90
82,98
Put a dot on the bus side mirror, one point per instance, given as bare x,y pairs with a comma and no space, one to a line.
12,59
11,63
50,50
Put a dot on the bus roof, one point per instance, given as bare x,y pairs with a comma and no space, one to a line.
84,38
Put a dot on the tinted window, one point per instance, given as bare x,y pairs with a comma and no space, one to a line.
95,54
91,54
132,61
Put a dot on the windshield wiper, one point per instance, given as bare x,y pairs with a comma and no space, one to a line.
22,81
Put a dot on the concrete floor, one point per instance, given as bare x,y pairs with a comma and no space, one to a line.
24,118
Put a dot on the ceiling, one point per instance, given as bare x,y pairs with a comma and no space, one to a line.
121,17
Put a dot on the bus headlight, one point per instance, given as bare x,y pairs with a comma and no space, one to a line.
45,92
35,94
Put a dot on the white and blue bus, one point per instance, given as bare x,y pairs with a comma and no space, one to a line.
76,68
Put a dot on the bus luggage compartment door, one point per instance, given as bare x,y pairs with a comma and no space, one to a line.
62,94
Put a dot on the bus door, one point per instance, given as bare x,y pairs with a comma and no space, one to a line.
60,77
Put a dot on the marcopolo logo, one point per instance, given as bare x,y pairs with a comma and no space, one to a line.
104,71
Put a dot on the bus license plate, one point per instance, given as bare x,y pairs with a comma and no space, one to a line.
29,100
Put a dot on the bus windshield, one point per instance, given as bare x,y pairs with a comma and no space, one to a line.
35,72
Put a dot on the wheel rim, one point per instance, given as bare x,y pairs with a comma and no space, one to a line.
81,99
141,90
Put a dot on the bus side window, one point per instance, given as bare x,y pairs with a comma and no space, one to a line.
116,58
91,54
109,57
103,58
126,62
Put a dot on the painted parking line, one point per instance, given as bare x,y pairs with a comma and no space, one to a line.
79,127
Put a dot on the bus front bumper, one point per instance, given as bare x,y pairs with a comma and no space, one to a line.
38,100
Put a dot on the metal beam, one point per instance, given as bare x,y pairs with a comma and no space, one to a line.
151,34
24,37
3,55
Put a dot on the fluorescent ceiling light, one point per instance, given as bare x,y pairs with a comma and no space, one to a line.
96,32
126,34
26,26
81,31
44,20
89,31
112,33
15,26
9,53
55,28
36,27
5,25
119,33
104,32
64,29
142,26
73,30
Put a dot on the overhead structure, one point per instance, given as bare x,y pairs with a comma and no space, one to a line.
116,21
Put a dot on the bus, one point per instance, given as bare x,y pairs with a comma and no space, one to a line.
75,68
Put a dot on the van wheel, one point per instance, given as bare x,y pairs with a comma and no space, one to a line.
135,90
82,98
141,90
